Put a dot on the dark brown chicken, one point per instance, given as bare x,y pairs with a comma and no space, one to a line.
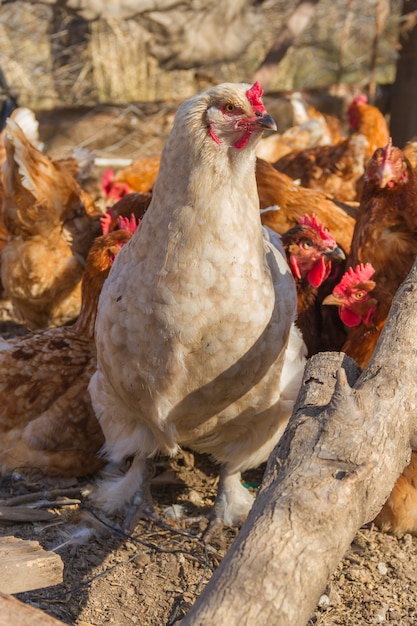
313,255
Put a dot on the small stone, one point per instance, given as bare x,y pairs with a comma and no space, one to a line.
382,568
324,601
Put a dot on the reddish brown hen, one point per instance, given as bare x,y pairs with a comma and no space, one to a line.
46,419
363,308
385,232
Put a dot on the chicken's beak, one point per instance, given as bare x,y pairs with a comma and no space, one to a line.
266,121
336,254
331,299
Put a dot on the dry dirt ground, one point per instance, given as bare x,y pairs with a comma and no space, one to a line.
152,577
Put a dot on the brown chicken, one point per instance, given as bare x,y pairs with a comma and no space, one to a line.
368,120
312,254
51,224
289,202
338,169
385,233
363,308
46,418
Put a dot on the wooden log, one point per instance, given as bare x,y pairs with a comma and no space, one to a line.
25,565
16,613
346,443
24,515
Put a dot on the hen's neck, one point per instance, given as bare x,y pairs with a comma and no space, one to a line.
90,293
215,181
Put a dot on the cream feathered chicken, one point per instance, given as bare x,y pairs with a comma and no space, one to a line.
195,337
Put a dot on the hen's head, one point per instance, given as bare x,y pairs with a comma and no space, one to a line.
310,250
232,113
106,247
353,111
352,296
388,167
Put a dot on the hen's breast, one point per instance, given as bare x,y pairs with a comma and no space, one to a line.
198,323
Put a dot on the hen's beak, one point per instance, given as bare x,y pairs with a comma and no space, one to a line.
336,254
266,121
331,299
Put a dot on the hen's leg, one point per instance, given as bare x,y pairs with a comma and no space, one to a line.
232,505
129,494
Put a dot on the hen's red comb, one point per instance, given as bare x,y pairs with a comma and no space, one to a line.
354,276
106,221
387,149
124,223
254,95
324,232
361,98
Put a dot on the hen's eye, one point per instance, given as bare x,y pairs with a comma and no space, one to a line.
359,295
307,244
230,107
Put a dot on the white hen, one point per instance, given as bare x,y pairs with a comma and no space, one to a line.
196,315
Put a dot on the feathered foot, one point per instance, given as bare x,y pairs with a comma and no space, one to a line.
127,495
231,507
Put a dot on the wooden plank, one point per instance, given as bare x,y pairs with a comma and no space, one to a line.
25,565
14,612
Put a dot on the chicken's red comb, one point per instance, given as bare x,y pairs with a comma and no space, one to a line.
354,276
387,149
361,98
129,224
106,221
254,95
324,232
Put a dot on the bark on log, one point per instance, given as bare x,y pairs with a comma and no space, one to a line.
346,443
